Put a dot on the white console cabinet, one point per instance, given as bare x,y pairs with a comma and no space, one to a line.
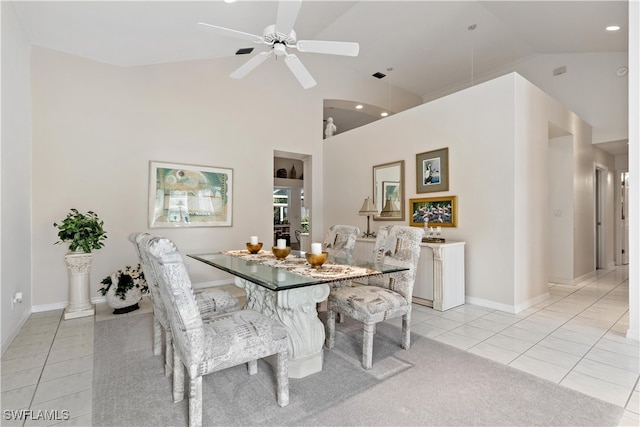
440,276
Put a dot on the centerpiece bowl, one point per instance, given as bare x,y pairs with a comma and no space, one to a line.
254,249
316,260
281,253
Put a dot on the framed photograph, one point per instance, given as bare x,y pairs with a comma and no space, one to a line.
437,211
432,171
189,196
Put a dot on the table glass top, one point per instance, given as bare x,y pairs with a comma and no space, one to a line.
278,276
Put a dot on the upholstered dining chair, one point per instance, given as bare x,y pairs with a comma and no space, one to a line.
226,340
384,297
340,240
211,302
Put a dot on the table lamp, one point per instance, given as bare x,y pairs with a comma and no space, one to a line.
390,209
368,209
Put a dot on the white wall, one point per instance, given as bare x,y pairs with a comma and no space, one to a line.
590,88
15,235
634,170
560,216
96,127
497,134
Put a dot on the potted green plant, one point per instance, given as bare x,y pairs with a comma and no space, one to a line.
124,289
84,232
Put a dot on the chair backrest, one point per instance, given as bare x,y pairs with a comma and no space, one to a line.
398,245
340,240
139,241
179,300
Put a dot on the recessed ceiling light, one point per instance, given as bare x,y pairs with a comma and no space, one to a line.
229,1
359,107
612,28
384,114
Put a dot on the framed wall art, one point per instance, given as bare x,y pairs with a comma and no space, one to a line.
189,196
437,211
432,171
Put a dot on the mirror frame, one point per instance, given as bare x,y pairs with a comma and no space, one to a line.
401,189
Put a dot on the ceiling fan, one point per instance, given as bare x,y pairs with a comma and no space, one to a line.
280,37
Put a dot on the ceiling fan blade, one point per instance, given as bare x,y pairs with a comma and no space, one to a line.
227,32
299,71
287,15
333,48
250,65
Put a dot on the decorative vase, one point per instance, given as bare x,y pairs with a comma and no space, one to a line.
119,305
78,266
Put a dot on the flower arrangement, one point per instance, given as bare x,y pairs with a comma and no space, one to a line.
126,279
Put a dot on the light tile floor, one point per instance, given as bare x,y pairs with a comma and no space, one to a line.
576,338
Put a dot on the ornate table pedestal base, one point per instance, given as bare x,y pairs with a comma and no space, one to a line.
78,265
296,310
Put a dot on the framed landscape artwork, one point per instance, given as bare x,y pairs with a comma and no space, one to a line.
432,171
189,196
437,211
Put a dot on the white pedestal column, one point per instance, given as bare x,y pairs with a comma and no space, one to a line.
78,266
296,310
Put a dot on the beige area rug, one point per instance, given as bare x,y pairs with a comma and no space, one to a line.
430,384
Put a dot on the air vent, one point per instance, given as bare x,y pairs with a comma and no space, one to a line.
379,75
244,51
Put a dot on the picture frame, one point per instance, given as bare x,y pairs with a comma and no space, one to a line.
189,196
391,190
438,211
432,171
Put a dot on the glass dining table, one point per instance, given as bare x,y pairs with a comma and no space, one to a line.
289,290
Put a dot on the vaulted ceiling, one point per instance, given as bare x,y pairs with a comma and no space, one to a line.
423,47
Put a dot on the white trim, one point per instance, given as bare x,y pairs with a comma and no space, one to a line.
14,333
506,307
578,280
49,307
490,304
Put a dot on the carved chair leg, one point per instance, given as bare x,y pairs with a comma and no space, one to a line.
178,378
195,402
252,367
331,328
157,337
282,378
406,331
168,354
367,345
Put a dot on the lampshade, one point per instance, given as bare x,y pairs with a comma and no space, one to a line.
368,208
390,209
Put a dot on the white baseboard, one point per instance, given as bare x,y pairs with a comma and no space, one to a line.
14,333
633,334
490,304
513,309
49,307
575,280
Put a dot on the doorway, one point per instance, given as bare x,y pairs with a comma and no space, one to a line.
291,198
623,227
600,231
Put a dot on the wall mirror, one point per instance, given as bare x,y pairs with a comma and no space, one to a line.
388,191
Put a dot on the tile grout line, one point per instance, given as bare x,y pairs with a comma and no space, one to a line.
35,390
